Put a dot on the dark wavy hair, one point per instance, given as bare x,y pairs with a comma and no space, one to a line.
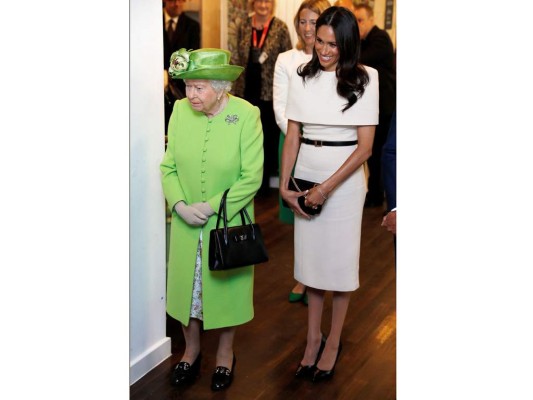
352,78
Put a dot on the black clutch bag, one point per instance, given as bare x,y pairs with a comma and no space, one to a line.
301,185
235,246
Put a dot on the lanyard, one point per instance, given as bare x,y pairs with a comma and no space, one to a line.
263,35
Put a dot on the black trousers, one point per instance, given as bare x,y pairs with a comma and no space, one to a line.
375,180
270,142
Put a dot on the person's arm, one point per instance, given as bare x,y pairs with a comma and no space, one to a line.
365,138
191,215
280,92
204,208
288,158
389,221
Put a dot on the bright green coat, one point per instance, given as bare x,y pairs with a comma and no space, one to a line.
204,158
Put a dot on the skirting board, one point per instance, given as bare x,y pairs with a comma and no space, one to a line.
150,359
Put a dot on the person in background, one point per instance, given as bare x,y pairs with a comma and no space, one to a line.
261,38
179,31
377,52
286,65
346,4
215,142
332,110
388,160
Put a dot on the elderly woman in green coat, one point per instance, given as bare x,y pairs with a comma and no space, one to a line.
215,142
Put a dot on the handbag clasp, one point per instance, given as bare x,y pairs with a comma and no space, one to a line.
240,238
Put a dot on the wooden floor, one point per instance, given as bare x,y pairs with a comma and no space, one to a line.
269,348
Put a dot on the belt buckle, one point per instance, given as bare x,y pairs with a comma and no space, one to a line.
317,143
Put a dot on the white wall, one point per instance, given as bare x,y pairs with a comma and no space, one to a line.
148,343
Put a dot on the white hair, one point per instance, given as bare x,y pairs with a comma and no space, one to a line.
220,86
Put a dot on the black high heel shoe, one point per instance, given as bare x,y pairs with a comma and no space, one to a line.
307,371
185,373
222,377
325,375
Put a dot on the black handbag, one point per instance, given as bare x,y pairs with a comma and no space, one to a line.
235,246
301,185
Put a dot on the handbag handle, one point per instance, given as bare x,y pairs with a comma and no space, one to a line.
222,211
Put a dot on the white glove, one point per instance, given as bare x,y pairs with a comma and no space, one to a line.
190,214
204,208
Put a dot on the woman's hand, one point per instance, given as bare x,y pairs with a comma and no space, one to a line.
389,221
291,197
190,215
315,197
204,208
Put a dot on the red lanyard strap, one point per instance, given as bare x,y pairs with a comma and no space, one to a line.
266,26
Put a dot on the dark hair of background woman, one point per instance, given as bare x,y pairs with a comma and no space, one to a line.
351,76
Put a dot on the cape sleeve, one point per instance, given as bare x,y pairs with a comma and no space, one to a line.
316,101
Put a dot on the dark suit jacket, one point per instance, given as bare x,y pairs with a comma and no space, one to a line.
186,35
388,160
377,52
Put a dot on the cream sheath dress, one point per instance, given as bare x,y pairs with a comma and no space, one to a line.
326,247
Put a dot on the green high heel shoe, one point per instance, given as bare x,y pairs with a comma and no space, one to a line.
296,297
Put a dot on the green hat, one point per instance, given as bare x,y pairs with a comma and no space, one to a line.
212,64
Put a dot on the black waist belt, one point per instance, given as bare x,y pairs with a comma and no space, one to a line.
319,143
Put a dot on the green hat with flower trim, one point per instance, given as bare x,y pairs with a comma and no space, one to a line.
211,64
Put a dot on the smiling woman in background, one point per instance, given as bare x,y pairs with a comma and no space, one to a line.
286,65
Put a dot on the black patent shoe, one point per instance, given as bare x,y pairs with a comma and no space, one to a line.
307,371
185,373
222,377
325,375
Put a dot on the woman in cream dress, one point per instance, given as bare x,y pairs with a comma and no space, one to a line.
335,100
